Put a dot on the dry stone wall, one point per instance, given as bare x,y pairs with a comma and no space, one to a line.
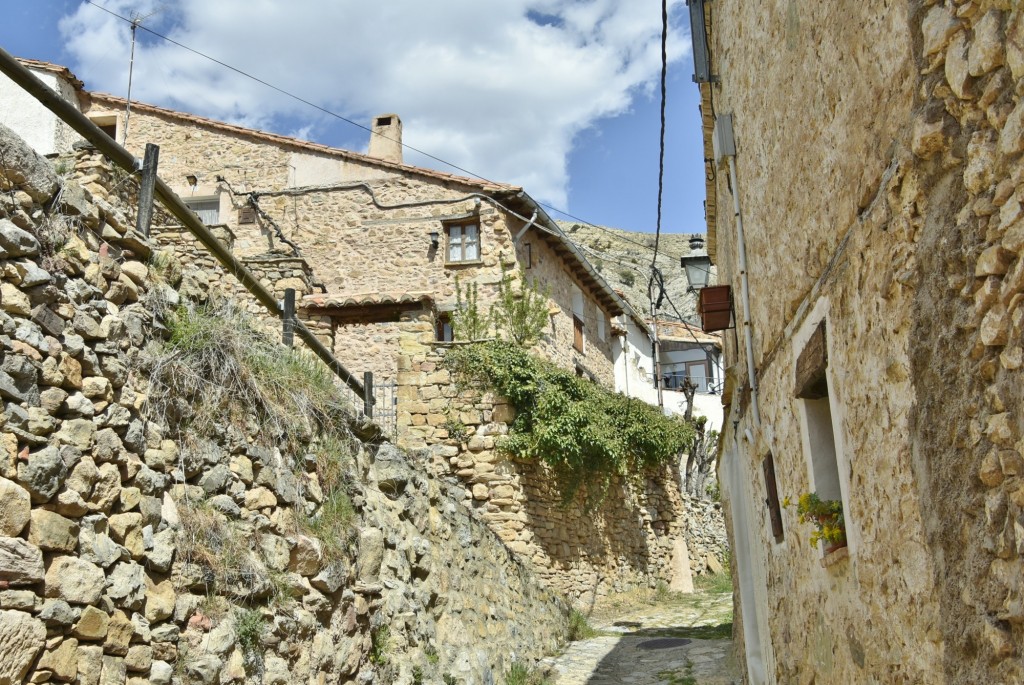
96,499
880,151
630,540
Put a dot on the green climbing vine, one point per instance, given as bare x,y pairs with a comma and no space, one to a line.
587,434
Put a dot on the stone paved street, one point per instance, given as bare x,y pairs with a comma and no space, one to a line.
679,640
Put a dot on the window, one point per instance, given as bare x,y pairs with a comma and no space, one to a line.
697,372
443,331
463,242
600,325
107,124
527,255
772,499
577,333
821,447
206,208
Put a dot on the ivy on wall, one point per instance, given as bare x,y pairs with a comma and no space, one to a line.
587,434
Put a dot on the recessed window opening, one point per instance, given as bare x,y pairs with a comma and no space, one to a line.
822,441
107,124
443,331
383,121
206,208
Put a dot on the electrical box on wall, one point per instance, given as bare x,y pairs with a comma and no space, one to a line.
722,139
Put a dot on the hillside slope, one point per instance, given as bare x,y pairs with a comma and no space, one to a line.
624,259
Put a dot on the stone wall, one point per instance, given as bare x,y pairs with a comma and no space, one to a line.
95,499
630,540
879,168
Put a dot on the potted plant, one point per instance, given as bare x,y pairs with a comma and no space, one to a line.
827,517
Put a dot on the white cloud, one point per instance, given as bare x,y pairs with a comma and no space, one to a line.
500,88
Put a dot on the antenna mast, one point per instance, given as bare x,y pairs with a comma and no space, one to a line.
136,20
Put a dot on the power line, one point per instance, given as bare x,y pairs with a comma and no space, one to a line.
369,130
661,147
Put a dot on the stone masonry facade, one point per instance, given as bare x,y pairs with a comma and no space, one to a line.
632,539
879,166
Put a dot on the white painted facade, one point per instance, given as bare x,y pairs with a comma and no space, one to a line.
27,117
634,371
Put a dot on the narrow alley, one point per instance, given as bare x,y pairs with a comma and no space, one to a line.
657,638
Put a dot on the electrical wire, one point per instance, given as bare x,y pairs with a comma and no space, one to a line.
404,145
661,146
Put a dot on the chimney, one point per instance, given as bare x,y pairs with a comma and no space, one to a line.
386,139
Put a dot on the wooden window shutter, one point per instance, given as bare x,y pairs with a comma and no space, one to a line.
774,510
811,365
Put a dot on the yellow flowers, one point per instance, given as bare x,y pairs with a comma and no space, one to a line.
826,515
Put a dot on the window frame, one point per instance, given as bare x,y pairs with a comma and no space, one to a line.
449,227
204,199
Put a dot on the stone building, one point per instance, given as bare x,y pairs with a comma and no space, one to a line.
873,160
380,237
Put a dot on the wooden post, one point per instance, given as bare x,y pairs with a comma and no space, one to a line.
148,185
368,394
288,318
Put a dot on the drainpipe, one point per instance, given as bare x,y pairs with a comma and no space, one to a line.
625,361
526,227
744,292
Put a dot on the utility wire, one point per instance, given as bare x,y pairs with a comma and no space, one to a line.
661,147
365,128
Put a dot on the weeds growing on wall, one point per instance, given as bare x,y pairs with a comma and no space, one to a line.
522,674
585,433
218,367
579,627
223,553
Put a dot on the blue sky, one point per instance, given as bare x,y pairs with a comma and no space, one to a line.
559,96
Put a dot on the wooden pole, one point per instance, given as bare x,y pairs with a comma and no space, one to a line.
288,319
368,394
147,189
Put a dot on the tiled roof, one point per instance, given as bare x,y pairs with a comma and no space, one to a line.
339,301
684,332
255,134
53,69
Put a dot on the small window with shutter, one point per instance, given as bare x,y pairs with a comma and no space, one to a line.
246,215
772,499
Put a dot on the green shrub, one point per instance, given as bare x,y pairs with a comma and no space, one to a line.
521,674
585,433
249,627
520,316
380,645
579,627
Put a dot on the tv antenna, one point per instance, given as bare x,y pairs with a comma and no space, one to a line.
137,19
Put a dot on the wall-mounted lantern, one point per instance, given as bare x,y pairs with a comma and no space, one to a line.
435,240
192,181
698,269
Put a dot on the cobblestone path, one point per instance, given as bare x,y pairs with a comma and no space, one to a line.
677,640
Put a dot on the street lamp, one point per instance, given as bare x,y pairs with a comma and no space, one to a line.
698,268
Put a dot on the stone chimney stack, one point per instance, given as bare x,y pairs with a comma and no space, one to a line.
386,139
